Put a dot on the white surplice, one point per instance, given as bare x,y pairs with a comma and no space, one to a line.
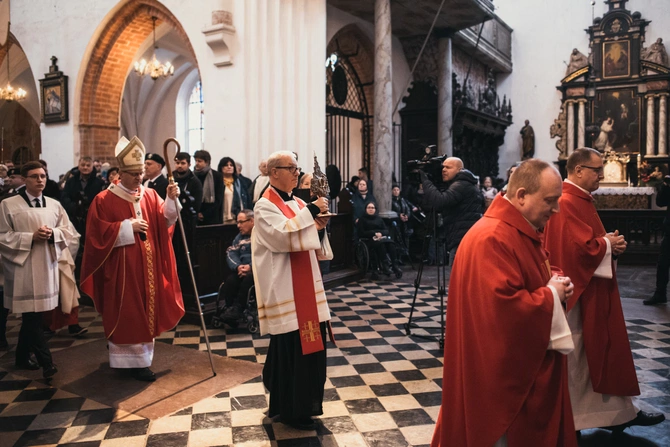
31,267
273,239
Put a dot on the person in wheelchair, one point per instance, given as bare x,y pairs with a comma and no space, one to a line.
372,228
237,285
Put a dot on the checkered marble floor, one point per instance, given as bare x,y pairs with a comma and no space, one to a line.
383,387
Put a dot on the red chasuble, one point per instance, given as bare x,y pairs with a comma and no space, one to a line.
574,239
135,287
499,377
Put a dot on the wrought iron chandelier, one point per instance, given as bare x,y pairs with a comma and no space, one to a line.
8,93
154,68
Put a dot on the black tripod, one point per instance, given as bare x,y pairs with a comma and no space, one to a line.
440,258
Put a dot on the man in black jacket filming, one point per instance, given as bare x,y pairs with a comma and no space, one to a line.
663,266
461,203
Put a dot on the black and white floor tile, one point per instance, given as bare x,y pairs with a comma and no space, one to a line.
383,387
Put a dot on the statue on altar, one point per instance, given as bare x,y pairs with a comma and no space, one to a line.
577,60
528,141
614,169
656,53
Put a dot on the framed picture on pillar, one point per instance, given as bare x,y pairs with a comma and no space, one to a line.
53,95
617,114
616,59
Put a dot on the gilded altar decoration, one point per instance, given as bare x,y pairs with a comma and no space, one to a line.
614,168
559,129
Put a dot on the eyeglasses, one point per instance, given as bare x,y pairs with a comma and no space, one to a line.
598,170
37,177
242,221
290,169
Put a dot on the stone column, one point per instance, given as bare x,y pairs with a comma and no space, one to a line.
382,164
581,124
663,125
570,104
651,126
445,142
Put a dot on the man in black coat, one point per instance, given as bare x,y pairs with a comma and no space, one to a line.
51,189
211,210
153,174
78,193
660,294
461,203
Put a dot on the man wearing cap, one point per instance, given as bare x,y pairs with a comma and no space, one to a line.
16,182
129,265
34,233
153,173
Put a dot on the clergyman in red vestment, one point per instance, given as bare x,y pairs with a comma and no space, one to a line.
505,377
601,371
129,267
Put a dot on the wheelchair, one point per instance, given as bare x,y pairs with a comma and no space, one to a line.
249,314
367,260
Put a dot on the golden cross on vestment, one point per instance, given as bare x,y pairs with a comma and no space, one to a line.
311,331
137,154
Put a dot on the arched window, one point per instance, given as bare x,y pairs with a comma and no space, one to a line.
196,120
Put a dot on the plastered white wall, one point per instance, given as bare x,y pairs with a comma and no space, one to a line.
545,32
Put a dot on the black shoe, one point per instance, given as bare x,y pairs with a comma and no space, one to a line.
643,419
49,371
232,314
75,330
48,333
306,424
29,365
143,374
655,299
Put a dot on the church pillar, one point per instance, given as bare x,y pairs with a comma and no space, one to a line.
581,124
383,91
663,125
445,142
571,126
651,128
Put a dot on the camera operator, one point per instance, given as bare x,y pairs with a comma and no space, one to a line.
459,202
660,294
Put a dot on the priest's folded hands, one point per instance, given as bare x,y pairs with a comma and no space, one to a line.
618,242
563,285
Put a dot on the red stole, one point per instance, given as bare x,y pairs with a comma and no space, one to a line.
303,289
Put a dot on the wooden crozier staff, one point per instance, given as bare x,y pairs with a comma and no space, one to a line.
183,239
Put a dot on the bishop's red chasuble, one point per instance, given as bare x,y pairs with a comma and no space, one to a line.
499,377
574,240
135,287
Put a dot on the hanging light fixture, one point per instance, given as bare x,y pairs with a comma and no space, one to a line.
8,93
154,68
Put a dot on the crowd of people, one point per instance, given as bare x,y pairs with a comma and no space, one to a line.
526,337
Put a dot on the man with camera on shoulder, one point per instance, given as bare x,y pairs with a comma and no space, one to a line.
460,201
663,266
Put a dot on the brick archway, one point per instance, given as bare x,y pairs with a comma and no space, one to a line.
106,71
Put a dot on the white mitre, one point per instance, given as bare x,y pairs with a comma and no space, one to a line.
130,154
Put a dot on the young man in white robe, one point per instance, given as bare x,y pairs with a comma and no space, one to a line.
286,246
34,231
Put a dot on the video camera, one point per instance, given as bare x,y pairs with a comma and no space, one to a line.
429,163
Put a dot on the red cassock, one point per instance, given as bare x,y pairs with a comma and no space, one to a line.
135,287
499,377
574,240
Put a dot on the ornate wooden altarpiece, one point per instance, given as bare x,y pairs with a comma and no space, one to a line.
616,101
480,120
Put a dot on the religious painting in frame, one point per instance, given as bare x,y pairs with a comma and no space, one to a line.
616,59
617,114
53,93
